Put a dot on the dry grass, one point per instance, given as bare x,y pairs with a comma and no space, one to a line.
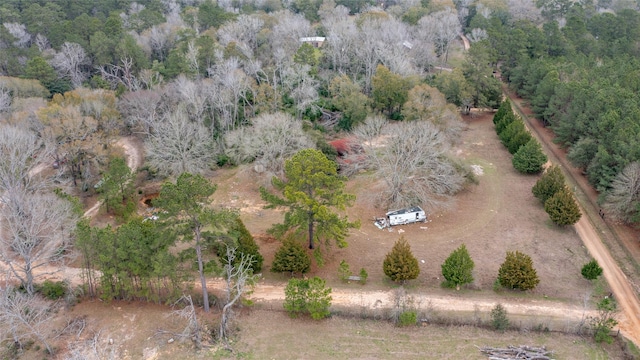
343,338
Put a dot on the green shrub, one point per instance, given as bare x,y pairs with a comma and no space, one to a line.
408,318
363,276
343,271
310,296
562,208
549,184
530,158
457,269
53,290
602,324
503,110
291,257
499,319
517,272
591,270
400,265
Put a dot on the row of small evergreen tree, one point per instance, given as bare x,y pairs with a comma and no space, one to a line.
516,272
528,157
552,190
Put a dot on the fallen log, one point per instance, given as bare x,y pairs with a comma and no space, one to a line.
522,352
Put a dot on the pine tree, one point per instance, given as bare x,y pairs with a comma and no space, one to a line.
530,158
458,267
307,296
291,257
400,264
312,193
517,272
549,184
499,319
562,208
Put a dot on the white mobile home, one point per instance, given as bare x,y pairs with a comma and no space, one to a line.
402,217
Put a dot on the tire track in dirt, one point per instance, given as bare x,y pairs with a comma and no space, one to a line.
376,300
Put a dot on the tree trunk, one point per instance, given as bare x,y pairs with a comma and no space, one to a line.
203,281
311,230
28,272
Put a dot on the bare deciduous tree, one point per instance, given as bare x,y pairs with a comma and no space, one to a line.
20,153
36,231
193,330
24,317
233,87
269,142
20,33
342,38
5,100
477,35
122,73
77,141
180,145
623,200
239,278
412,158
141,110
426,103
287,32
69,62
444,27
42,42
244,30
524,10
193,95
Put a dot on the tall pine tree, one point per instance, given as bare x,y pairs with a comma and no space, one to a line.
312,192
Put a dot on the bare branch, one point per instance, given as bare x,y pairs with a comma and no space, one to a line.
623,200
36,230
269,142
69,61
25,317
239,278
180,145
412,158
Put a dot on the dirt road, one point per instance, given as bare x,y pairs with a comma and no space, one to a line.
547,310
629,317
624,293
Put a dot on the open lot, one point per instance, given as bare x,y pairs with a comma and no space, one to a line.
497,215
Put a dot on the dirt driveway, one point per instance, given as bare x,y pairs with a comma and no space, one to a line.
589,229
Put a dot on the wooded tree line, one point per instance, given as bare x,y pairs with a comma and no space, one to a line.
577,67
206,84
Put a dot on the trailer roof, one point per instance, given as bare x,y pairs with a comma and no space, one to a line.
405,211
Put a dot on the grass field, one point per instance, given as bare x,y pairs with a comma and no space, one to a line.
273,335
